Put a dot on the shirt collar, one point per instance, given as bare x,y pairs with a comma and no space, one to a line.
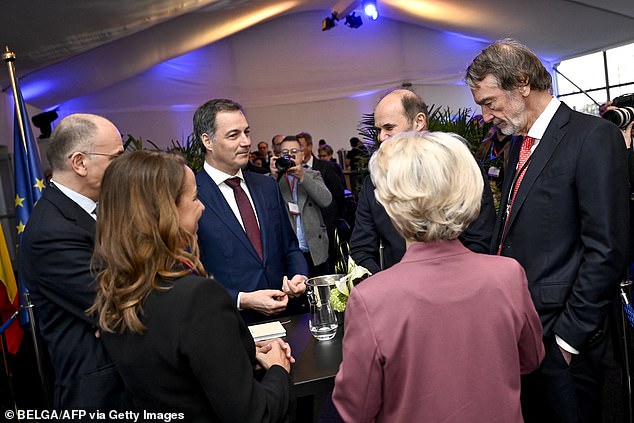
309,163
542,122
81,200
219,176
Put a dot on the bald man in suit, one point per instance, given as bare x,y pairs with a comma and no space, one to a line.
375,244
55,263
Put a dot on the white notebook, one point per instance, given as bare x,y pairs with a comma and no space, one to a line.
267,331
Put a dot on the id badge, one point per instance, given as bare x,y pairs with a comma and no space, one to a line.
293,207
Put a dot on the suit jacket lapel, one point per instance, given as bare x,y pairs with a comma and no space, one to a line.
302,196
540,157
284,188
215,202
69,209
514,151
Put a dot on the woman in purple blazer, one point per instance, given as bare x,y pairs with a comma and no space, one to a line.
444,335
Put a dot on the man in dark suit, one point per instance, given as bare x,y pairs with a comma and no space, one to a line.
246,240
325,153
375,244
55,263
335,210
566,221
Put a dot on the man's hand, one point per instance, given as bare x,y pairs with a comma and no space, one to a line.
628,133
294,287
265,301
297,171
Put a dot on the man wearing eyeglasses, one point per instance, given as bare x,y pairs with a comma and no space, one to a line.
304,192
55,263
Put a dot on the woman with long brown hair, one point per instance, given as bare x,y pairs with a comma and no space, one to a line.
174,334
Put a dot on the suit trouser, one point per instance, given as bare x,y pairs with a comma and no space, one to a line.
562,393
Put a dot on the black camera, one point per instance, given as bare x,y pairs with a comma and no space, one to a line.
624,115
283,163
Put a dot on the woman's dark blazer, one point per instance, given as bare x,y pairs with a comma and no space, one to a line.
197,357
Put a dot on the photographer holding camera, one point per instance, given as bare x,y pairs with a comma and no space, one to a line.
304,192
620,111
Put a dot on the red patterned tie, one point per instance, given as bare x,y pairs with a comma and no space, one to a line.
247,214
525,153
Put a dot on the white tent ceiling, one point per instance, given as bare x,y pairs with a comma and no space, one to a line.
147,55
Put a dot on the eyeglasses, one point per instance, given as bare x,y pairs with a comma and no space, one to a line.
93,153
286,152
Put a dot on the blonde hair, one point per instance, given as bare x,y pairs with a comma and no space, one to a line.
139,239
429,184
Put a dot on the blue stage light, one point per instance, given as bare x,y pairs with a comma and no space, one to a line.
369,7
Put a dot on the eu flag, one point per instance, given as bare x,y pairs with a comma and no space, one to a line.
29,179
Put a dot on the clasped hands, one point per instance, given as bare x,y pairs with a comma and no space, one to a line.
273,301
274,351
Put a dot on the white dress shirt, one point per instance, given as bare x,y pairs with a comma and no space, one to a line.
219,177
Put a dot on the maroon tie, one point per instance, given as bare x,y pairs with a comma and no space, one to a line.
247,214
525,153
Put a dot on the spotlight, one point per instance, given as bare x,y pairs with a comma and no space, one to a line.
346,8
353,20
369,7
43,122
328,23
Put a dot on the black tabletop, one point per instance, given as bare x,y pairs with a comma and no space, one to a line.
316,362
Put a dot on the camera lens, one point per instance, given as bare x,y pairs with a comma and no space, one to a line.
283,163
621,117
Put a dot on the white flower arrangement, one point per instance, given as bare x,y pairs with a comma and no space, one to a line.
339,295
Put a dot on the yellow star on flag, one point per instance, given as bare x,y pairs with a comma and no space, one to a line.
20,227
39,184
19,201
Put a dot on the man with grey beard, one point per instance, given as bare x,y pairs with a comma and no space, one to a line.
564,217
